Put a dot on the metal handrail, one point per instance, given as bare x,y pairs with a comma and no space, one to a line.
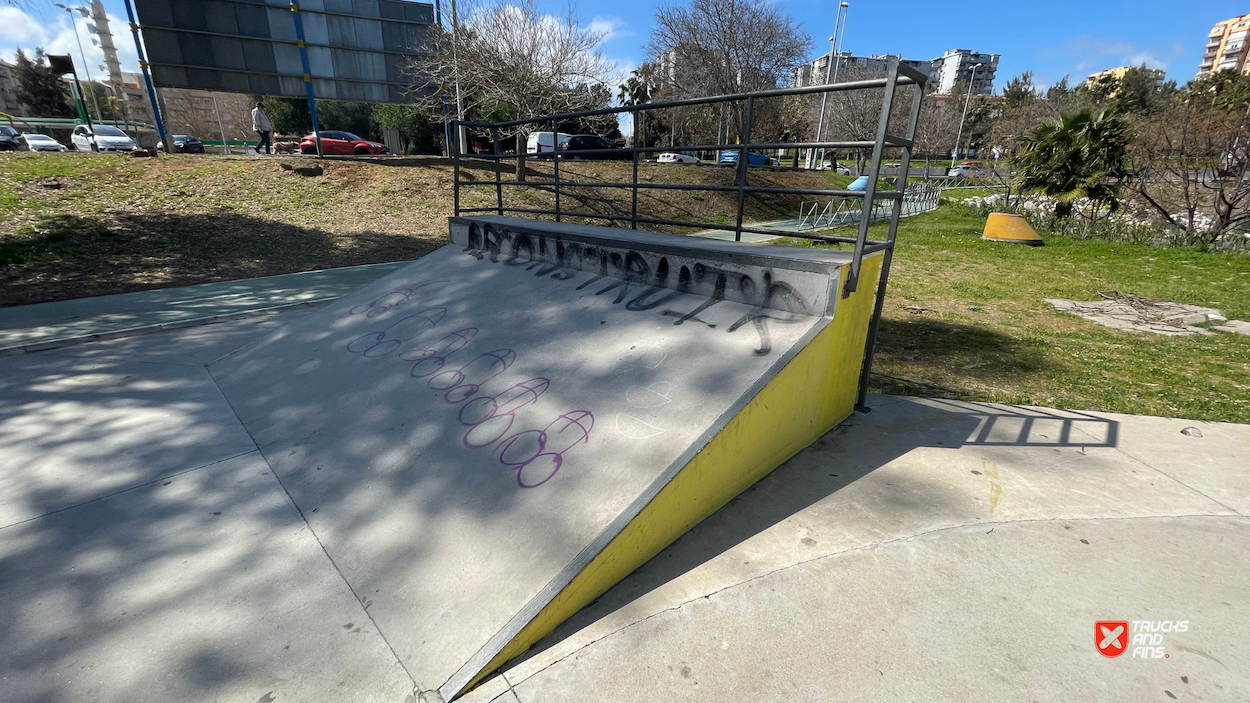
897,75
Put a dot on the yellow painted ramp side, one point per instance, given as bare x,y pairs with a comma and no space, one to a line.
807,398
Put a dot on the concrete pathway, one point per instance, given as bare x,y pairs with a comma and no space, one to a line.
49,325
929,549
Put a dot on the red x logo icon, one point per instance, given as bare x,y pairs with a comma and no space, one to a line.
1111,637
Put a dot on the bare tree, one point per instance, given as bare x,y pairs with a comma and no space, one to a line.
514,61
938,126
1191,161
718,47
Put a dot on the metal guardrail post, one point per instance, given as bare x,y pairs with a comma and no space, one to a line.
744,162
874,172
555,164
633,209
455,179
870,343
494,133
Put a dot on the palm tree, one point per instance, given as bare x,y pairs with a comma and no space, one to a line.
637,90
1077,156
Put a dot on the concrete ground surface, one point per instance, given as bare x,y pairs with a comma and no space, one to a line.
48,325
926,550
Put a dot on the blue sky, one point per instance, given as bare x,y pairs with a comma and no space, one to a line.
1051,38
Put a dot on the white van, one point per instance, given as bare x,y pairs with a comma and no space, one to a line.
543,142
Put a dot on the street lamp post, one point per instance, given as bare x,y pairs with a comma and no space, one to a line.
833,56
967,98
82,11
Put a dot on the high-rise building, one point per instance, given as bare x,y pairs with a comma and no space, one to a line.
101,30
1227,48
1154,75
957,66
813,72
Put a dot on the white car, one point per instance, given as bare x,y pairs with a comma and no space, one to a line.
968,169
104,138
678,157
841,170
42,142
542,142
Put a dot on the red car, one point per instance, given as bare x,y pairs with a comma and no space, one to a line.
341,143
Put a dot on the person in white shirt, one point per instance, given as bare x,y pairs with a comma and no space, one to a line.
260,125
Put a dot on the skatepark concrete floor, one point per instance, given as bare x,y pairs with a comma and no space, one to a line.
926,550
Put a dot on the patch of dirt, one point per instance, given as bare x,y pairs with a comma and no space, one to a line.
1133,313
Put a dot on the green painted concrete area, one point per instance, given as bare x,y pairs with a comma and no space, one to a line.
48,325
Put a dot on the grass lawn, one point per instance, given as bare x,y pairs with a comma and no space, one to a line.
987,335
73,225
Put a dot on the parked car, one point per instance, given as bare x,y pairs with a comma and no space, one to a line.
186,144
335,142
837,167
754,158
968,169
678,157
12,140
587,142
540,142
102,138
42,142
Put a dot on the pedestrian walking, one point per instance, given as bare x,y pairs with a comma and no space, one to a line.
260,125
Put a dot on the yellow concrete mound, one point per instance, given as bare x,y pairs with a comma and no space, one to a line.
1003,227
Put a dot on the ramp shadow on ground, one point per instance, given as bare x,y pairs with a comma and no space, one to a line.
850,452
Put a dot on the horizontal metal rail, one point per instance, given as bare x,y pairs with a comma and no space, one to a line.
670,223
573,154
687,102
879,195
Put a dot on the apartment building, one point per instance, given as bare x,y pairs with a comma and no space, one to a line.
1227,48
813,72
1154,75
959,66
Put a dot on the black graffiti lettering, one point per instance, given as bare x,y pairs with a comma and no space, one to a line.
519,242
718,294
616,283
592,280
491,242
637,304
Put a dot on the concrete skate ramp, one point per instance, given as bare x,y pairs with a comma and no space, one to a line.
487,439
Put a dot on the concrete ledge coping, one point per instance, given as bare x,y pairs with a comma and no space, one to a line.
790,279
742,253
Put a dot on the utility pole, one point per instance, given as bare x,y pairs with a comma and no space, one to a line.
967,98
829,71
455,70
83,11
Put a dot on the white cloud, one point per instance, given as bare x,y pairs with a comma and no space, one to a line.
1100,54
18,30
609,28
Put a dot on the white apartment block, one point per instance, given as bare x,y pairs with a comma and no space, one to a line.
957,66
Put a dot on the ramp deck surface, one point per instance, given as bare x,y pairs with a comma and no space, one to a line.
467,433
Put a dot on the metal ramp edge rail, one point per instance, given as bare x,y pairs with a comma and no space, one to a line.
897,75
